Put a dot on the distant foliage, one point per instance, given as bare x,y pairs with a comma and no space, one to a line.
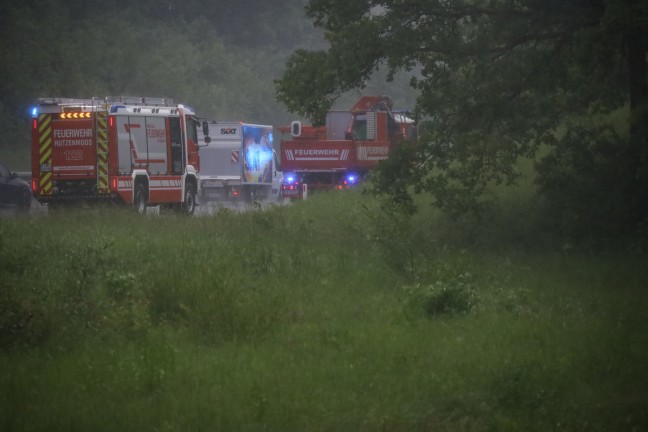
496,82
217,57
585,182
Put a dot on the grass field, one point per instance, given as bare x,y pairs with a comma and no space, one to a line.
329,315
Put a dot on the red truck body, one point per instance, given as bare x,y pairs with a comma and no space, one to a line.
140,151
338,155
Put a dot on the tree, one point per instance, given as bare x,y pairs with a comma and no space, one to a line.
496,80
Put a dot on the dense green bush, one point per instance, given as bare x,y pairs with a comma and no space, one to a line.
442,297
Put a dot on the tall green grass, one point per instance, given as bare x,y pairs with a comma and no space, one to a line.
337,313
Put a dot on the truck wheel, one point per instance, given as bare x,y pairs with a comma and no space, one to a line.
139,200
189,205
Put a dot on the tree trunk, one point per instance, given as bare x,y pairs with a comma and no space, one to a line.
637,51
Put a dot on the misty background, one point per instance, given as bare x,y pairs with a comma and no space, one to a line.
219,57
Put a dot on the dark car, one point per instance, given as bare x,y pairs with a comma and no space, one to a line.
14,192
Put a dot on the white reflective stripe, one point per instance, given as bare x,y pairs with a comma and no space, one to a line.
125,184
162,184
74,168
165,184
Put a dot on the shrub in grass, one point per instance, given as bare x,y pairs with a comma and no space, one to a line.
389,227
21,322
165,303
120,285
442,297
123,305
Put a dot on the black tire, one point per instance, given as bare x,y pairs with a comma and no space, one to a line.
140,199
190,203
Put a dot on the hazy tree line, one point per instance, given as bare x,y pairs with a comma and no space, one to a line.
219,57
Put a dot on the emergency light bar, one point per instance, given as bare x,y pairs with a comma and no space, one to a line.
71,108
67,101
133,100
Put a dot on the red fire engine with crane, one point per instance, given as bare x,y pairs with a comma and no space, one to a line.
341,153
134,150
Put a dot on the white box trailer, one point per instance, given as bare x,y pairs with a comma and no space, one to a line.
238,165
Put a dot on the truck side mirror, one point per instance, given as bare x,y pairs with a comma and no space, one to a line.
205,127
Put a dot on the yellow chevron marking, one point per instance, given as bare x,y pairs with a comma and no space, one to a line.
44,121
45,178
102,151
46,156
45,151
44,136
45,145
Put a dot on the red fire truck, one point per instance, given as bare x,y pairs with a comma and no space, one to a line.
134,150
340,154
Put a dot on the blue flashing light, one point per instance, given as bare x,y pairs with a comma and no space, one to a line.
351,178
115,108
290,178
34,112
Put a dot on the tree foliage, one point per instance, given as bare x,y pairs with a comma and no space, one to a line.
498,79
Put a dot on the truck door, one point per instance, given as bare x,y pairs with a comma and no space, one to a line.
177,156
